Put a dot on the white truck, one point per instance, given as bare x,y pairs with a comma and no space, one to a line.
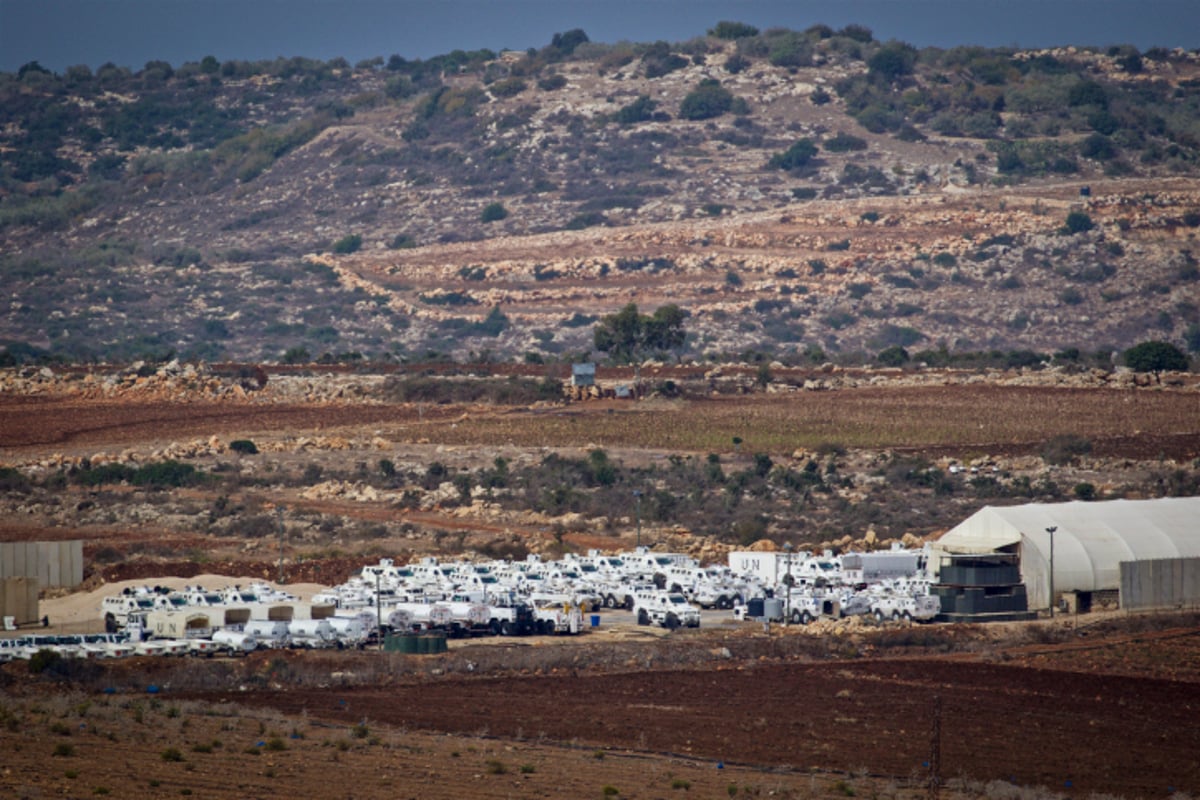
897,606
558,618
671,610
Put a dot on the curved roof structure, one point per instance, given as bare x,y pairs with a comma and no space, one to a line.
1091,539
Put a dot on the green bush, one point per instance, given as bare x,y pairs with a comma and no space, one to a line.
797,156
709,99
243,446
510,87
493,212
347,244
1078,222
732,30
844,143
639,110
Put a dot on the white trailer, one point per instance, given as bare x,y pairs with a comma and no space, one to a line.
268,632
311,633
235,642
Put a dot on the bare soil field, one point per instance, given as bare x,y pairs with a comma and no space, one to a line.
973,419
1026,711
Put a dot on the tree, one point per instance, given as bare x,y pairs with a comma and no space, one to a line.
627,335
565,43
894,356
1155,357
893,60
347,244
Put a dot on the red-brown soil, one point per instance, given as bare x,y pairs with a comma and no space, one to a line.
1125,735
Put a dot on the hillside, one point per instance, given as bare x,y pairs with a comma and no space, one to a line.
803,196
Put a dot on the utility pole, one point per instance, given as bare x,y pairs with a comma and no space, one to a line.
279,524
787,613
1051,531
935,750
637,494
378,613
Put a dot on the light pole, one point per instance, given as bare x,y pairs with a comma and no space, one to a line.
1051,531
637,495
787,581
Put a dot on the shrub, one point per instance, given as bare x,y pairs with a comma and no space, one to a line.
1078,222
347,244
243,446
63,750
640,110
509,87
797,156
894,356
709,99
844,143
493,212
1085,491
732,30
171,754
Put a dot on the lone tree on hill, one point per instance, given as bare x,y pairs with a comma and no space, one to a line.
627,336
1155,357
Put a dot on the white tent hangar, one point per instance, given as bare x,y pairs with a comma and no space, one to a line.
1090,540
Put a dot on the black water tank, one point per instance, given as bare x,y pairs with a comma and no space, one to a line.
754,608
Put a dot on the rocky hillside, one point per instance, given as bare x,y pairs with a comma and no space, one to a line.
801,195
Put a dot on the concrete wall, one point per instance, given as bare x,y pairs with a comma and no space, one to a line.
19,599
1160,583
53,564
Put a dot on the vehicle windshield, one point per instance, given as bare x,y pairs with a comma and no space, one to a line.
677,598
145,604
177,601
212,599
663,561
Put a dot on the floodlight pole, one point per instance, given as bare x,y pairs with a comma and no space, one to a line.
1051,531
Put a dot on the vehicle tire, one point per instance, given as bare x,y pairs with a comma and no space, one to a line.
806,618
660,580
895,616
723,603
672,621
737,600
505,628
796,617
878,615
628,602
907,617
110,623
610,601
643,617
494,627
